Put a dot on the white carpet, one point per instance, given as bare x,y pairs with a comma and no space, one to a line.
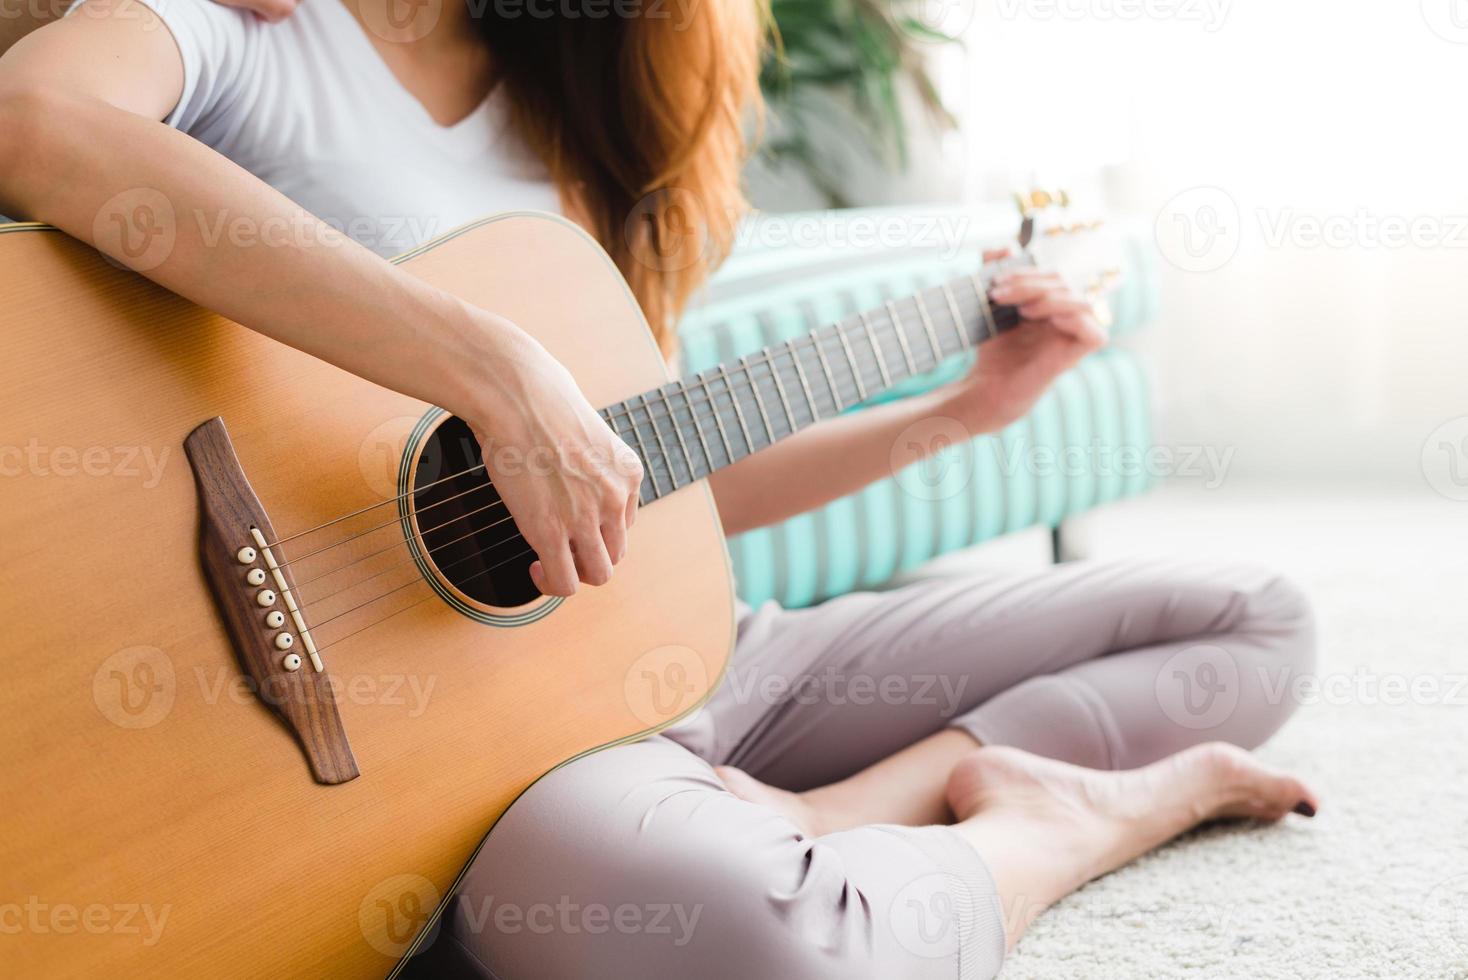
1377,884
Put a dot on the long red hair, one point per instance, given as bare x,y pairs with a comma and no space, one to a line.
644,121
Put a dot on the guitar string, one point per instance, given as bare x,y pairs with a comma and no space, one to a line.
306,603
671,471
768,355
416,580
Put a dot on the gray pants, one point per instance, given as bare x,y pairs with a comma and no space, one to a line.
636,863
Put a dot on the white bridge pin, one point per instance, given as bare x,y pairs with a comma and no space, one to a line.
292,662
246,555
284,641
265,597
255,576
275,619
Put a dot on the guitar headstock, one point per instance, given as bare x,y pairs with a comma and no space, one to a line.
1060,235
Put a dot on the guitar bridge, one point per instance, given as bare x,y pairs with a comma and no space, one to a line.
256,595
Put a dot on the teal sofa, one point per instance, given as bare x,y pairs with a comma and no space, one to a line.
1080,447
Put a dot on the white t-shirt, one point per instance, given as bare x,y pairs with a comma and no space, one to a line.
310,107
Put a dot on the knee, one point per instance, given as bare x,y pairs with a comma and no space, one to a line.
1280,611
1280,625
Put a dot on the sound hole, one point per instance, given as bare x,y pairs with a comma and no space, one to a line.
467,532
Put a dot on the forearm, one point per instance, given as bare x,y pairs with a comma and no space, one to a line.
239,247
832,459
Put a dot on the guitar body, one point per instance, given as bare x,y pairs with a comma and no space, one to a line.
159,818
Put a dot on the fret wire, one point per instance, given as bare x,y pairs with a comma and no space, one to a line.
983,305
876,349
697,429
758,401
826,368
662,448
815,416
861,389
738,410
963,340
677,432
780,390
652,470
901,337
657,435
928,328
718,419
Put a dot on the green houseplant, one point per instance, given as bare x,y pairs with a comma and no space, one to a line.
860,51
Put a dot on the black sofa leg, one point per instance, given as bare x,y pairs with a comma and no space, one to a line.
1057,544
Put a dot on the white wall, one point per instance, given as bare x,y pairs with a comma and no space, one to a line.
1310,359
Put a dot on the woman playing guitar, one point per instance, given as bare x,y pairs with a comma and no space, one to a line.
777,834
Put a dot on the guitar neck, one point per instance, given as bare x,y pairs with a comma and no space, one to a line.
689,428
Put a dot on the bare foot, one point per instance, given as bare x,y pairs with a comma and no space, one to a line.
1045,828
793,806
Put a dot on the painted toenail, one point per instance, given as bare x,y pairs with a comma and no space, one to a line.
1304,809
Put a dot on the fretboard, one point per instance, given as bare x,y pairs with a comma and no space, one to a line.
689,428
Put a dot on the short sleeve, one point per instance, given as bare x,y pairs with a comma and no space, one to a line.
215,42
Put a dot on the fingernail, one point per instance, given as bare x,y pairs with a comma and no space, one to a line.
1304,809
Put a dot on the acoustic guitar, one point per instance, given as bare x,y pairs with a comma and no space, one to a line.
273,664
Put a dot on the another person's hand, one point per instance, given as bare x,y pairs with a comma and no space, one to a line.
1015,368
569,482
